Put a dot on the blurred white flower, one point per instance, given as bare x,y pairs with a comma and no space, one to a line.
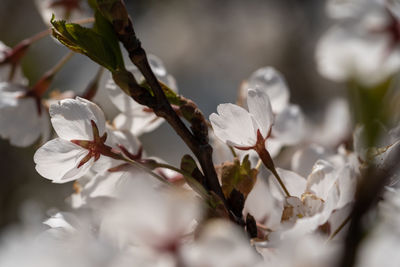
23,118
70,10
156,219
220,244
382,244
10,71
134,117
310,250
312,202
335,127
363,44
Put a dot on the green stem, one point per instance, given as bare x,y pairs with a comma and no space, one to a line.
267,160
341,226
147,170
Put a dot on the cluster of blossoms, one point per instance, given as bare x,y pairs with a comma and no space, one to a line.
130,209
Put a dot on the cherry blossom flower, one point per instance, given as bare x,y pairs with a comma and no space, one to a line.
241,128
156,219
288,119
363,44
23,118
221,244
382,243
81,129
10,70
326,190
135,117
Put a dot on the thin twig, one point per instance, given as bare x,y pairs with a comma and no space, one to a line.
341,226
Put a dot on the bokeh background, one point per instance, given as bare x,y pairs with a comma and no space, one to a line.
209,46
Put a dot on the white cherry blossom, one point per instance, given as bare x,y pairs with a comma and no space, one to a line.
363,44
10,71
135,117
220,244
241,128
23,118
81,129
313,201
156,219
288,118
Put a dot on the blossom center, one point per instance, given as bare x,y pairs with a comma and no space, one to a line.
96,147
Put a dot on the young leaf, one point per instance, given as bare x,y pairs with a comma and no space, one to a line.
189,165
172,97
238,176
88,42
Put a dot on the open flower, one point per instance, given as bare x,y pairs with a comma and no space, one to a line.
22,118
314,201
288,119
135,117
363,45
241,128
81,129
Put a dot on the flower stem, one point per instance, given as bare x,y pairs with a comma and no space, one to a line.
267,160
147,170
43,84
167,166
61,63
93,86
341,226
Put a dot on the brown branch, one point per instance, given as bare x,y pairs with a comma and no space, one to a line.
197,140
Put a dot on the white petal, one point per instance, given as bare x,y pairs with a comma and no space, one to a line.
260,108
347,184
263,206
71,119
67,221
294,183
5,69
224,244
273,146
121,100
124,138
303,160
57,160
321,179
137,122
234,125
19,118
289,126
344,54
270,81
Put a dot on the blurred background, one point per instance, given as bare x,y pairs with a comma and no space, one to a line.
209,46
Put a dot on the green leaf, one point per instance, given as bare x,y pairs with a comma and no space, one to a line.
172,97
189,165
102,49
239,176
104,28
